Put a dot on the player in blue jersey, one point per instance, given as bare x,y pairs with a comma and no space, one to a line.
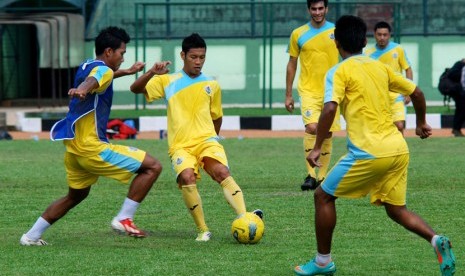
378,157
394,55
312,44
89,154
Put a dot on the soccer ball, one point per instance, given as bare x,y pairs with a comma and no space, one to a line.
248,228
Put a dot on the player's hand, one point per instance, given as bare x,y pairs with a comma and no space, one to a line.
136,67
407,100
424,131
312,158
77,93
289,104
160,68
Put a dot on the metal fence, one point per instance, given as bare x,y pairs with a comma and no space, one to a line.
244,19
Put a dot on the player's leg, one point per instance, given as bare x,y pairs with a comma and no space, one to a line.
122,163
394,185
79,181
325,222
349,178
310,109
186,167
140,186
193,202
214,162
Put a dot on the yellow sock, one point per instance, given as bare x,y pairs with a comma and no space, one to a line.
309,142
194,203
233,194
325,157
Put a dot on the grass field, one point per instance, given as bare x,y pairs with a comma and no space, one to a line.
269,171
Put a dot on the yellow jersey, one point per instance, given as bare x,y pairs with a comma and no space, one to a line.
360,85
192,105
317,53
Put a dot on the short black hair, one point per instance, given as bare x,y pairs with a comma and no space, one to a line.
192,42
110,37
382,25
310,2
351,32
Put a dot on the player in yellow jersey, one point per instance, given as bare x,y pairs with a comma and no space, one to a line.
313,45
194,115
378,157
89,154
394,55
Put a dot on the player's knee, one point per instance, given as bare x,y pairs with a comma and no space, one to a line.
152,166
186,178
221,174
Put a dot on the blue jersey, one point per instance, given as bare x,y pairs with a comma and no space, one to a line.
92,127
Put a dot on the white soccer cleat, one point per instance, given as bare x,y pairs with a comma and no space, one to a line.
204,236
28,242
127,227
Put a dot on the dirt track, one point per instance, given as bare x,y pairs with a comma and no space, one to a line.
445,132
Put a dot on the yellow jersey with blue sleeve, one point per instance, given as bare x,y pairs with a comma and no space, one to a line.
360,86
316,50
192,105
84,128
393,55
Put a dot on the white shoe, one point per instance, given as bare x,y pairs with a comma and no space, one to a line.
204,236
27,241
128,227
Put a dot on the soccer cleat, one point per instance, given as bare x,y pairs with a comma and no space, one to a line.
312,268
457,133
204,236
127,227
259,213
28,242
310,183
446,257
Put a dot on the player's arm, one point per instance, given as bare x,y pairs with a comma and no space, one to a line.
324,124
419,104
408,75
217,123
159,68
87,86
136,67
290,75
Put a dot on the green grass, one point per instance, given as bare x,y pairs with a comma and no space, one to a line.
269,171
246,112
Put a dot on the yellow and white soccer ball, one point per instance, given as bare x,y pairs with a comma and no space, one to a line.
248,228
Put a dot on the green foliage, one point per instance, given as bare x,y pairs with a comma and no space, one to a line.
269,171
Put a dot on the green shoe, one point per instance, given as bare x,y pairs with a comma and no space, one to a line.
445,255
312,268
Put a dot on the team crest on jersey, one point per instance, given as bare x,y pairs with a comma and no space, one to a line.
394,55
308,113
208,89
331,36
179,161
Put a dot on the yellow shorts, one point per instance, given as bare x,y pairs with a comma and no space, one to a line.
398,108
192,157
385,179
116,161
311,108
